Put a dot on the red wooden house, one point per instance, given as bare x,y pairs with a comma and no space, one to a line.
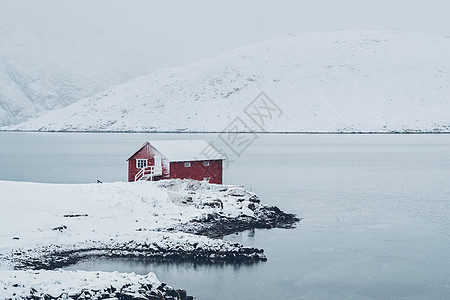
194,159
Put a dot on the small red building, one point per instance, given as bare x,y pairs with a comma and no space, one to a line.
193,159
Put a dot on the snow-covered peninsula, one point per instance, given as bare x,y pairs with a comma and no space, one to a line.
48,226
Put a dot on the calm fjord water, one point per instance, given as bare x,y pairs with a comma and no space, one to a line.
375,209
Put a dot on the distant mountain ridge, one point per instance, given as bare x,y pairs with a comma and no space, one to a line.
340,81
45,65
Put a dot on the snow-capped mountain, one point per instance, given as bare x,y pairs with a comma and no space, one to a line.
348,80
48,62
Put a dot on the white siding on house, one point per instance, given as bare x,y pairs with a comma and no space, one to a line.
186,150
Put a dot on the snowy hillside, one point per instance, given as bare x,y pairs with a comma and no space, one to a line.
349,80
48,64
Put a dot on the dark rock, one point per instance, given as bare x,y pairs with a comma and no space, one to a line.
254,199
216,203
182,294
186,199
75,216
60,228
237,193
217,225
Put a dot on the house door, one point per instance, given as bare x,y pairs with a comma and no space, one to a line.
157,161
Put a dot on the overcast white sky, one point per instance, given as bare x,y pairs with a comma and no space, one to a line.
185,31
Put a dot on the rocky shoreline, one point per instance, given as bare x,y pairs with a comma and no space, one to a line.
61,284
214,225
213,211
217,225
144,291
50,260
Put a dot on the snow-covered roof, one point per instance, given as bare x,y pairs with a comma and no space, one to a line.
186,150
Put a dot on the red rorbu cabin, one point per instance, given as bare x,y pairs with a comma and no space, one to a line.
193,159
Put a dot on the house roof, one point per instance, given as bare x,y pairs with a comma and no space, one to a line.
185,150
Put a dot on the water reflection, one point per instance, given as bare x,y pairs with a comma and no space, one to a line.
144,266
202,280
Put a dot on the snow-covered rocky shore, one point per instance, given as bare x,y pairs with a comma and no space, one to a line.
62,284
48,226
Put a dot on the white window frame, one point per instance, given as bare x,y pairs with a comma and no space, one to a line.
145,162
187,164
206,163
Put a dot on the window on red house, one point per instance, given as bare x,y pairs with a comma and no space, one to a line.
141,163
187,164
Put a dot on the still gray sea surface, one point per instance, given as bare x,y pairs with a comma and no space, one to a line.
375,209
